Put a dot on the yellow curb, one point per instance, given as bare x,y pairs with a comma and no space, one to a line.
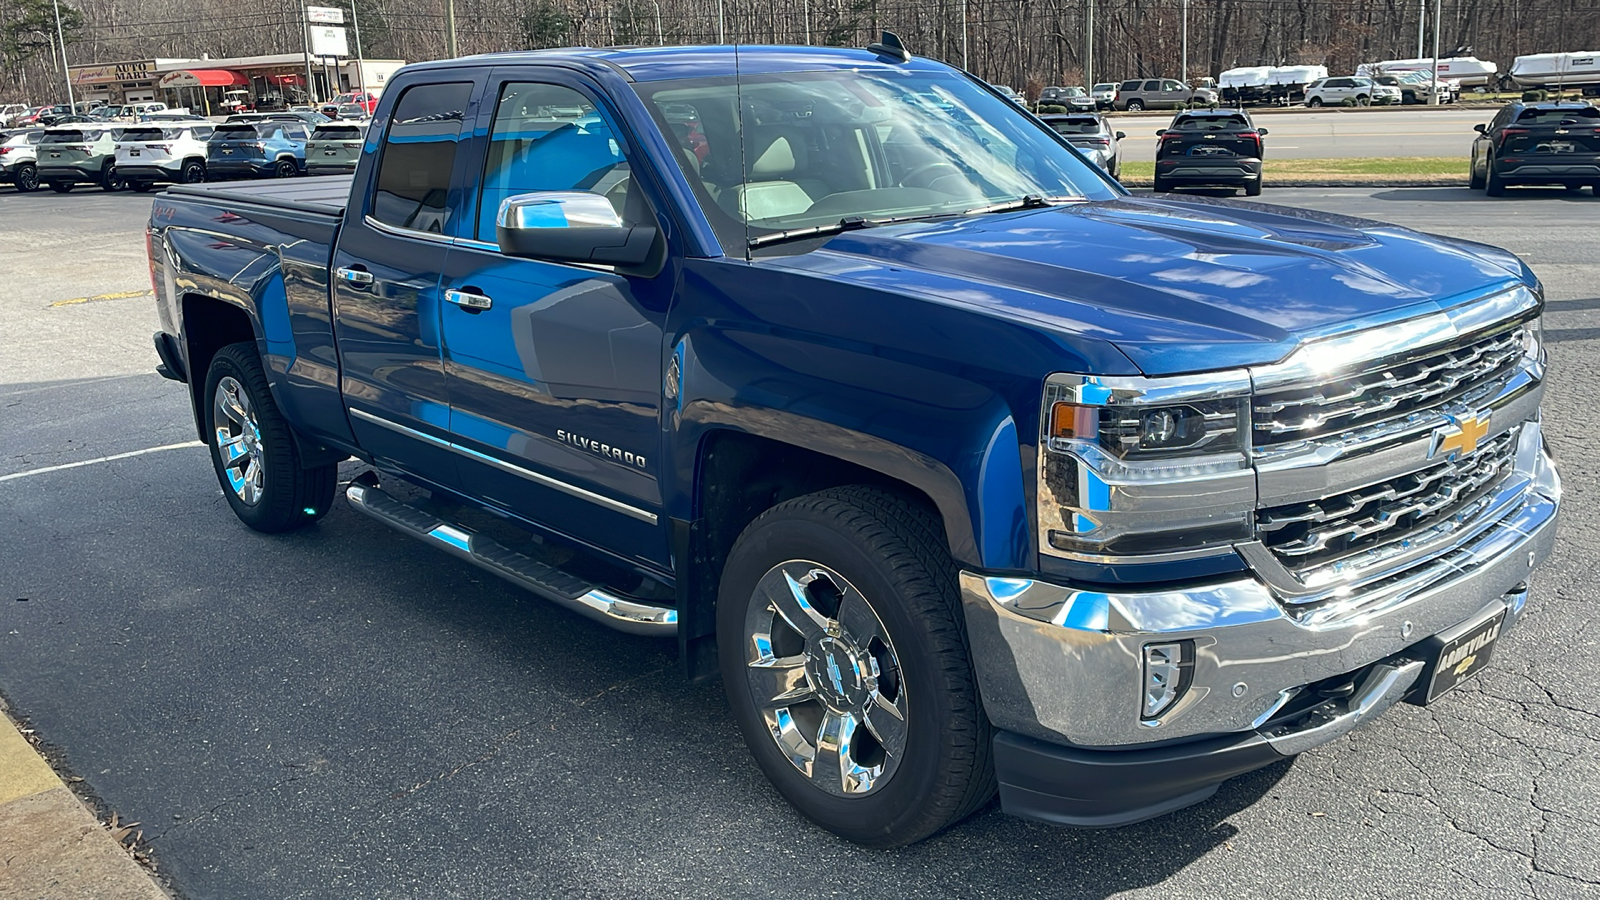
116,295
22,772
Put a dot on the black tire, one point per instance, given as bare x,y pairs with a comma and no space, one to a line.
1135,106
110,181
1314,102
62,187
1493,185
142,187
285,168
1162,186
1474,180
1408,98
289,495
26,178
892,555
194,172
1252,188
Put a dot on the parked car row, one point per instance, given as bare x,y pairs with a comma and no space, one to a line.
173,150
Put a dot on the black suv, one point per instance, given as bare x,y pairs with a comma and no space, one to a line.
1210,148
1538,143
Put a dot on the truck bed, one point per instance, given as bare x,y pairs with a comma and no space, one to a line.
324,195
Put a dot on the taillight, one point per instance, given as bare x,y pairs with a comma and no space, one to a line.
1511,132
150,254
162,147
357,145
1250,136
5,150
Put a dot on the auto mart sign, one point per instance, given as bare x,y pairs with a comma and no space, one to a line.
143,70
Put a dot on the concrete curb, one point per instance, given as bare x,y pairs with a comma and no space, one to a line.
51,846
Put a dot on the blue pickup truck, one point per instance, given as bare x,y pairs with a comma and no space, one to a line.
967,470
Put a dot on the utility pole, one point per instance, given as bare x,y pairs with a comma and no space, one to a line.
722,30
450,29
660,41
1438,17
1088,50
964,66
65,72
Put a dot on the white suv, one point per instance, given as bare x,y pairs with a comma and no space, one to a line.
157,152
1334,91
19,164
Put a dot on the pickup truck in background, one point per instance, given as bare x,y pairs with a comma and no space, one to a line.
964,468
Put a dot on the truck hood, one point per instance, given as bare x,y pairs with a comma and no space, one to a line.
1177,286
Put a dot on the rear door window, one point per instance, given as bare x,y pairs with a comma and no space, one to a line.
419,155
1152,85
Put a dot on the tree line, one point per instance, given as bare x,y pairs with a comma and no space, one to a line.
1023,43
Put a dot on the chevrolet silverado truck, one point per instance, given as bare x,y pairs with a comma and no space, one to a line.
967,470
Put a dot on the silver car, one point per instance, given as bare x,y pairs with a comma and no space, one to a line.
1091,134
334,148
1161,93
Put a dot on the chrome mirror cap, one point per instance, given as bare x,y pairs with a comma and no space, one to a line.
557,209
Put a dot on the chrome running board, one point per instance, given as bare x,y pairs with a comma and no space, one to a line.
484,552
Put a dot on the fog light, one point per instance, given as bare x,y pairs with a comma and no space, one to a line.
1167,670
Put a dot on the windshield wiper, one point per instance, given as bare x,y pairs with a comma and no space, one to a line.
1032,201
794,234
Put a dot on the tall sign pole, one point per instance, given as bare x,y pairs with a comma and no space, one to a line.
1422,21
1088,48
305,35
1183,74
67,73
361,64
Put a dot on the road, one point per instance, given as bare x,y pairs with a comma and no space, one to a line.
1325,134
342,713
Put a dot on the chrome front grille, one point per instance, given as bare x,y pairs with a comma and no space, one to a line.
1312,534
1387,389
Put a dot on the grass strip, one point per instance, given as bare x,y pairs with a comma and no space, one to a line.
1376,170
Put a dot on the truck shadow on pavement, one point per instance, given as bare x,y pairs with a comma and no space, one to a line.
1462,194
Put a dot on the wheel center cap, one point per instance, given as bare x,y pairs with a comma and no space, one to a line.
836,670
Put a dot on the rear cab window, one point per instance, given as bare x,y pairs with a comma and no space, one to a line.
1080,125
418,157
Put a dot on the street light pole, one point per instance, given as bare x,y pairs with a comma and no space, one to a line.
964,66
361,64
1183,73
1422,21
1438,17
660,41
305,39
722,31
1088,52
450,29
65,72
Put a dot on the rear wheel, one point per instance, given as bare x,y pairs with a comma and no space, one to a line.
1162,185
27,178
111,181
285,168
1474,180
1493,185
1314,102
194,172
844,657
253,449
1253,188
1135,106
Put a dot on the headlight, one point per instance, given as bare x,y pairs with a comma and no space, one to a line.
1139,470
1533,340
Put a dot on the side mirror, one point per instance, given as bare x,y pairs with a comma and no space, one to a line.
1262,131
1122,134
1160,132
571,226
1481,128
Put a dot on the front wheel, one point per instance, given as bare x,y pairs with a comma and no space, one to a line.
27,178
1363,100
844,657
253,449
110,181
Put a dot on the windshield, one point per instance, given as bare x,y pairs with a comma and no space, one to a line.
1071,92
150,134
822,147
1080,125
336,133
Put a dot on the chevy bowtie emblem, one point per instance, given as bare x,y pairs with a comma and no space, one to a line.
1463,434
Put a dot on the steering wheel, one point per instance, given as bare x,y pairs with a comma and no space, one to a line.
922,175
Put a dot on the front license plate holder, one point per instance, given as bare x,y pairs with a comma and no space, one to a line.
1456,655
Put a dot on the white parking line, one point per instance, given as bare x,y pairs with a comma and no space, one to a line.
89,462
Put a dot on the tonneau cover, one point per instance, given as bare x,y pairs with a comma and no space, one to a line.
323,194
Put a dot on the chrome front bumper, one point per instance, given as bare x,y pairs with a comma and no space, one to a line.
1063,665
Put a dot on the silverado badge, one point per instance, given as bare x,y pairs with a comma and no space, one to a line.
1462,434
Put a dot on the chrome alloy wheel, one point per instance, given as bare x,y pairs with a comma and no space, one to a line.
825,677
238,438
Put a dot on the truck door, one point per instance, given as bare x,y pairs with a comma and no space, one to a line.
386,285
555,370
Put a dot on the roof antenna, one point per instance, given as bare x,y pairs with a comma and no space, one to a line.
890,47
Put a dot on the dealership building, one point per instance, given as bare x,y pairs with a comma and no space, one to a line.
203,85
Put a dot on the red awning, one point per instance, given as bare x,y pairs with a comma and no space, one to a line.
204,78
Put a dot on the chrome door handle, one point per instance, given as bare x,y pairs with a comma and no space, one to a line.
473,302
355,276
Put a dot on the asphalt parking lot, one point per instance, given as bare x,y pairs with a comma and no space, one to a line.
342,713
